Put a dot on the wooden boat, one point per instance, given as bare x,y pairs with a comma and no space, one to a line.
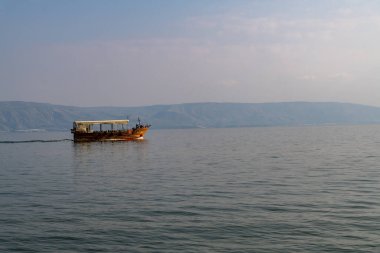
107,130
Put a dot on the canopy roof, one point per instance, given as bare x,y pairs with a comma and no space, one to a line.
94,122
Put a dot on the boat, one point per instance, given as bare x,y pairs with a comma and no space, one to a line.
108,130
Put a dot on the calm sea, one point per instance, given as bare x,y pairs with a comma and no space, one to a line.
295,189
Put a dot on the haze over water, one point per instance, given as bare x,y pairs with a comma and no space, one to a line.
298,189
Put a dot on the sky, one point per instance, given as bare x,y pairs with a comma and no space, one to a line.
148,52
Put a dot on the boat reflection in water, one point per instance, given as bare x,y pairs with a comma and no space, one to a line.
108,130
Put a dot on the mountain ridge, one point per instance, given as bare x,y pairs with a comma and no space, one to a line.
21,115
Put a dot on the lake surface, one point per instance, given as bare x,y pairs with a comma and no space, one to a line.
295,189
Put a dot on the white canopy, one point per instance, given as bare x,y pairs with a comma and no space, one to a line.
95,122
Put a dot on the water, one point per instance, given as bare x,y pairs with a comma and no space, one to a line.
296,189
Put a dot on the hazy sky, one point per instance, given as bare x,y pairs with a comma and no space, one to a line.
141,52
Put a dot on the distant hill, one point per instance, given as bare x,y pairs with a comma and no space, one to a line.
29,115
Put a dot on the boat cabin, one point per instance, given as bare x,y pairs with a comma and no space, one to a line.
88,126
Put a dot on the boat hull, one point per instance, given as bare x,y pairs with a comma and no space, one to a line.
118,135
